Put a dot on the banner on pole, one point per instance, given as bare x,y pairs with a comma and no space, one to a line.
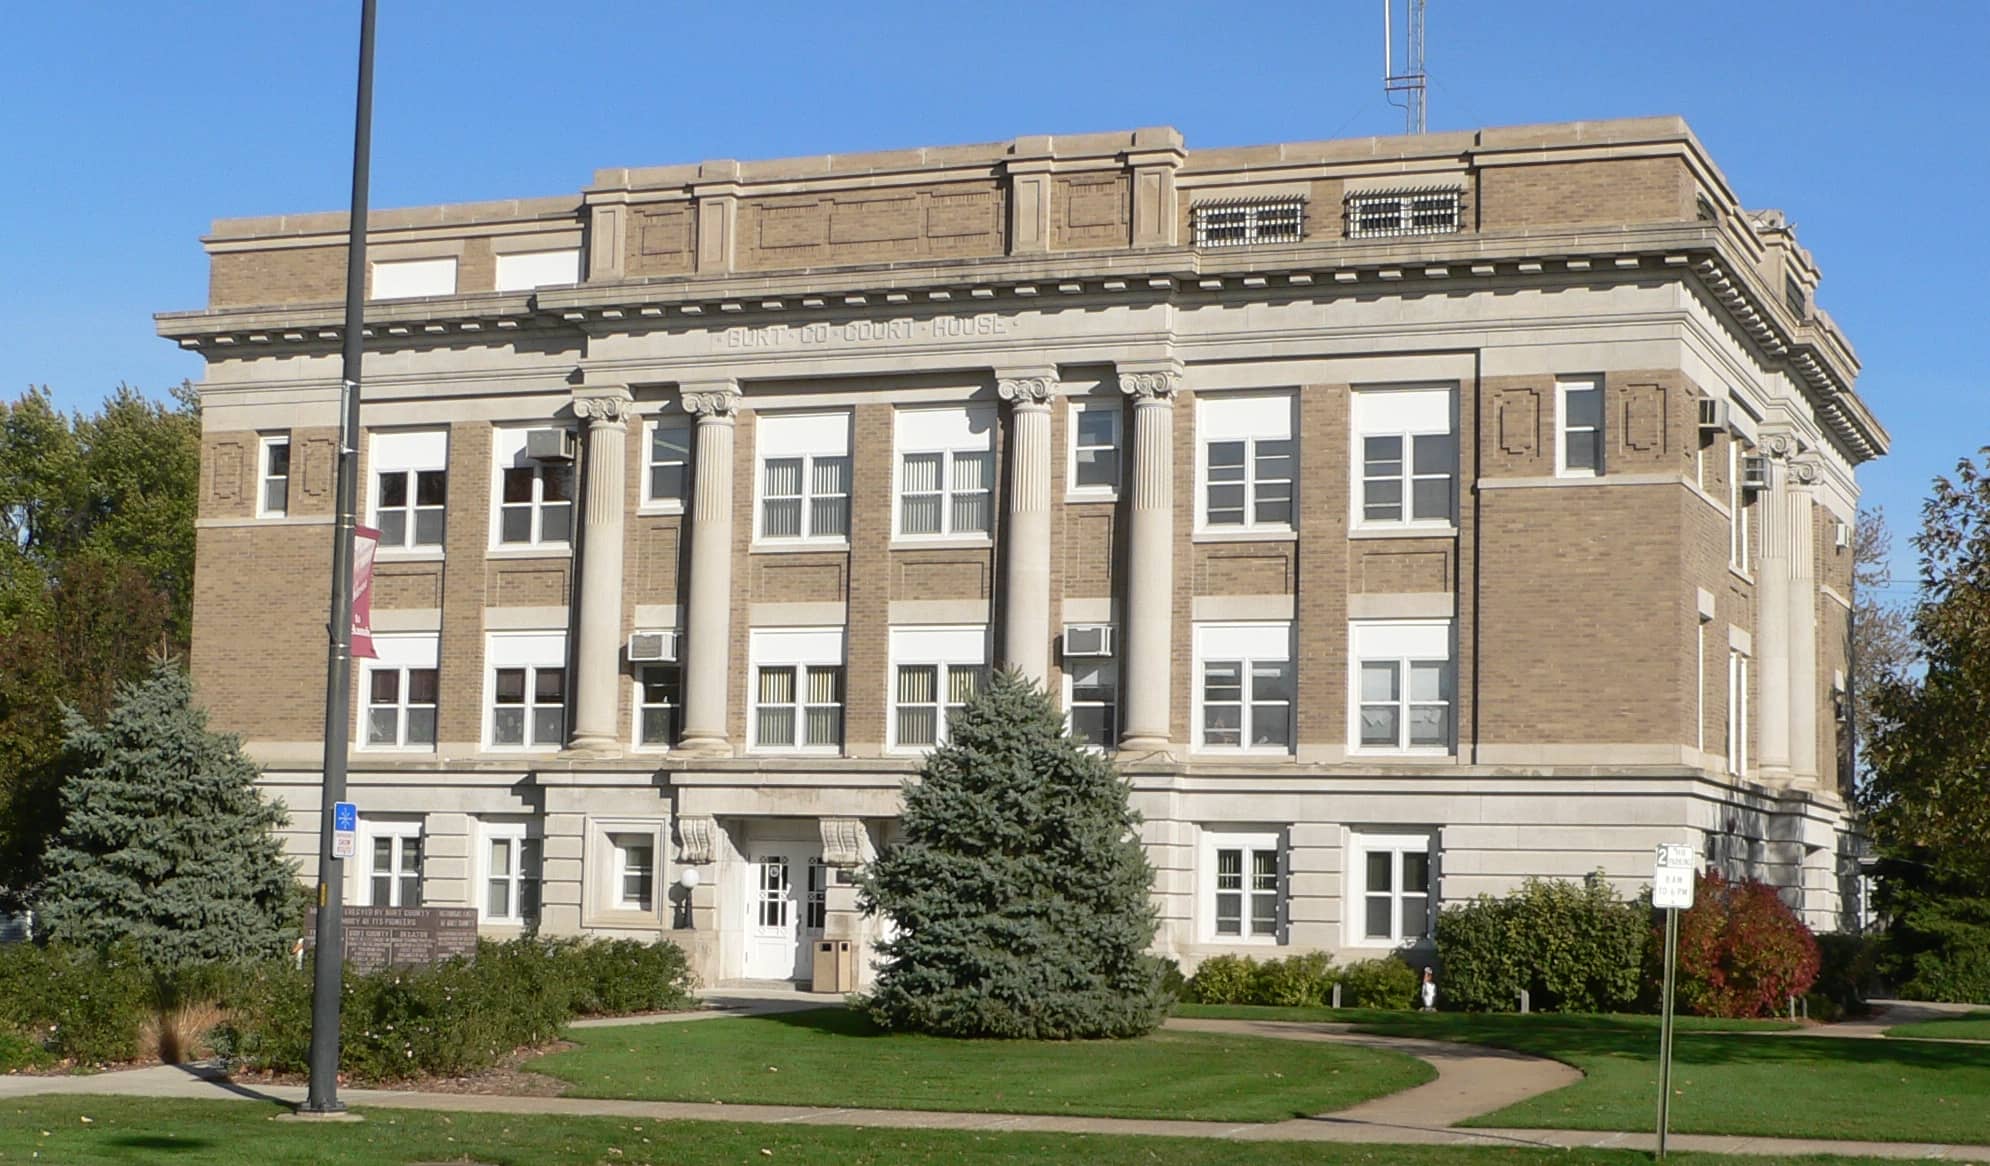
365,541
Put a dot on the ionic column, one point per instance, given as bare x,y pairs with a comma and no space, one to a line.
1772,619
708,615
1802,600
1148,660
1026,574
598,654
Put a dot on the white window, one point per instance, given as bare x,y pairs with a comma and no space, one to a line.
393,862
510,873
659,703
1579,428
797,689
1243,695
1407,470
525,270
1392,889
1738,509
946,471
534,498
1249,462
666,479
1095,445
273,476
410,488
395,279
1243,881
1243,222
804,480
1382,213
399,690
935,672
1091,694
1737,711
527,697
633,871
1402,684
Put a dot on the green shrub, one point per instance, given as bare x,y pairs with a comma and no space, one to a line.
73,1003
619,977
1296,981
1379,983
1222,979
1575,947
19,1052
1940,946
1173,983
1848,968
1742,951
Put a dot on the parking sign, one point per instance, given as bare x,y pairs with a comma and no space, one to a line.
1672,876
345,829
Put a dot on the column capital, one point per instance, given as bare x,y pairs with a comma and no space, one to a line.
1024,388
716,399
1151,382
608,405
1805,469
1782,443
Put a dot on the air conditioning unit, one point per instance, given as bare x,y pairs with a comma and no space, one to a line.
652,647
550,445
1087,639
1755,473
1842,533
1713,414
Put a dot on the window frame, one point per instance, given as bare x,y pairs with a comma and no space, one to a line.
797,650
1250,841
266,444
399,831
641,705
1070,668
1113,409
945,649
522,836
920,432
1404,412
508,453
1735,744
651,503
402,653
1248,644
1405,219
1740,548
1257,221
801,436
1396,842
409,454
533,652
1248,423
621,845
1563,388
1404,643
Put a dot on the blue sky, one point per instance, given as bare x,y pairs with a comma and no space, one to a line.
128,126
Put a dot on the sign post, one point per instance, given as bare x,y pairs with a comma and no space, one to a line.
1672,890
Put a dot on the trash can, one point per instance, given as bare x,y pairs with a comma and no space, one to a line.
835,968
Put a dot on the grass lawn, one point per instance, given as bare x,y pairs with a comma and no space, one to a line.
1733,1082
837,1057
1970,1026
130,1130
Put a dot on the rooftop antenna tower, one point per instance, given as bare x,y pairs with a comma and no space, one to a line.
1409,82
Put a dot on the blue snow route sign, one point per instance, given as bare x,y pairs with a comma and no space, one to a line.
345,829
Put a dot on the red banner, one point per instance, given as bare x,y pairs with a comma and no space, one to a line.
365,541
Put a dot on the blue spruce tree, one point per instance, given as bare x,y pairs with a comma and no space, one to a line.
1020,893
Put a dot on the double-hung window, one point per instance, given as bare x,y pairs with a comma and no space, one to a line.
1402,686
399,693
393,850
534,496
511,873
1579,428
804,479
1249,461
1407,465
1095,446
935,672
1739,552
1737,711
1091,687
797,689
666,474
527,703
1244,884
634,872
1391,888
946,471
659,703
410,488
1244,690
273,475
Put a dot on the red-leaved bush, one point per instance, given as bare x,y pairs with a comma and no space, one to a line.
1742,951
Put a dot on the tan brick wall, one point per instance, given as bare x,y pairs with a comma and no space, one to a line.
661,240
1320,602
1252,568
1184,565
1397,565
870,572
465,584
1650,423
739,631
882,225
937,574
1575,194
1093,209
260,597
286,275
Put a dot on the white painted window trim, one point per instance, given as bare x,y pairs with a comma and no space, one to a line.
1739,510
650,503
1212,428
402,653
637,705
621,848
1069,670
399,830
1249,644
808,454
1398,842
1250,841
1562,390
516,833
1365,399
1736,743
1114,410
507,448
407,453
264,444
532,651
906,445
1404,643
947,650
796,649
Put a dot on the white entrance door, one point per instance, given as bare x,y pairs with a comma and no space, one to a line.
785,890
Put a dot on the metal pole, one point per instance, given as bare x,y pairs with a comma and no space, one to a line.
328,970
1665,1026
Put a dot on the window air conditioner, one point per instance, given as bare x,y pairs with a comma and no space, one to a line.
1087,639
652,647
1755,472
1713,414
1842,533
549,445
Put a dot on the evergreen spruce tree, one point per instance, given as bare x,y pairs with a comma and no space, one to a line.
1020,892
165,841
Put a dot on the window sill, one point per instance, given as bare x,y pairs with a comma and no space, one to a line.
1281,534
1244,941
1407,756
1740,574
941,542
393,751
778,751
659,509
404,555
799,547
530,551
1077,496
1379,531
1223,753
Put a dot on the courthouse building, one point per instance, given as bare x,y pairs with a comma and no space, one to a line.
1407,516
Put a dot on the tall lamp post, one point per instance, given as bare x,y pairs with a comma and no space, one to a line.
322,1098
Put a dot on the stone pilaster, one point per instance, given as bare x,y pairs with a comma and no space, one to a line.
1026,572
708,615
1772,619
1802,600
1147,661
598,652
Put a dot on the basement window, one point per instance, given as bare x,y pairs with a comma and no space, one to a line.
1246,222
1383,213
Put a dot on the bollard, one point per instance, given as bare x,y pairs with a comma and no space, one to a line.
1336,993
1524,1002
